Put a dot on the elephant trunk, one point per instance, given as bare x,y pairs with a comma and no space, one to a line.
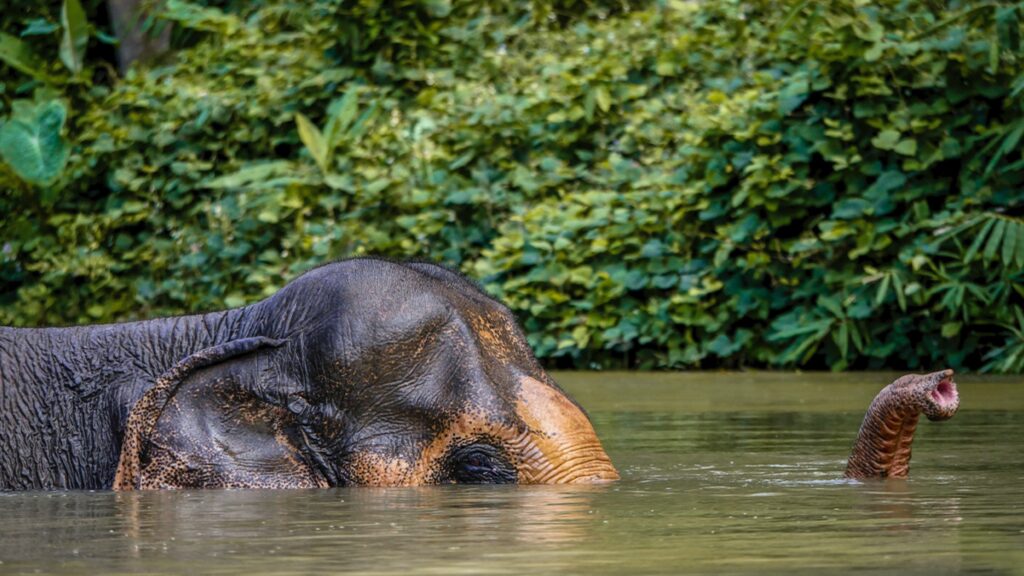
883,444
561,445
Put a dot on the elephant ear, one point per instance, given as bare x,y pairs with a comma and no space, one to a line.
207,423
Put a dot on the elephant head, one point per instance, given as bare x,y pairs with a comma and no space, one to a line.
363,372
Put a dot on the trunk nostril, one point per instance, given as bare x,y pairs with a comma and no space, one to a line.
944,391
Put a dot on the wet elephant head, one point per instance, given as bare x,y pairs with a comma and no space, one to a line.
367,373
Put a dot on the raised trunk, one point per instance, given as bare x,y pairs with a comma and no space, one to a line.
65,393
883,444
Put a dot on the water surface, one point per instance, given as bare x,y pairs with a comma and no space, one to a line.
722,473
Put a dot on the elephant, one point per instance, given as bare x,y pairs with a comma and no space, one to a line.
882,448
362,372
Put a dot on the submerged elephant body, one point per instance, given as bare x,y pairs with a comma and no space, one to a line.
362,372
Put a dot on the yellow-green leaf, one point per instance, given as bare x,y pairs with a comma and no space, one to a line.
604,100
886,139
950,329
907,147
19,56
75,36
314,141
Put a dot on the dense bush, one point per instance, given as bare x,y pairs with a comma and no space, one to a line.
678,184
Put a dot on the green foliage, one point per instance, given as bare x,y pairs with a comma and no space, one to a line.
31,142
75,35
19,55
677,184
30,139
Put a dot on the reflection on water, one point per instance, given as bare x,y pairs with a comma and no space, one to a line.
359,529
721,473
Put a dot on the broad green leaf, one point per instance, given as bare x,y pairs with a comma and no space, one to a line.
665,67
314,141
886,139
722,346
793,95
75,35
887,182
31,142
907,147
875,52
270,214
19,56
850,208
581,336
437,8
376,186
340,182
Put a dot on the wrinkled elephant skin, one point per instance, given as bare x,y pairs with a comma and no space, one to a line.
361,372
882,449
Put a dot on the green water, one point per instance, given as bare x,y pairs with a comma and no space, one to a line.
722,473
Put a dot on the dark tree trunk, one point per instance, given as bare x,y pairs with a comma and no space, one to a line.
137,44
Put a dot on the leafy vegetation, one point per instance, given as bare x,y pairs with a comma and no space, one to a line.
654,185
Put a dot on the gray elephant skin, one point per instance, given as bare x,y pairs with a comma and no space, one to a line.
360,372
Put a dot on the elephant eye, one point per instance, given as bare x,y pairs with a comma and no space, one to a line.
479,464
